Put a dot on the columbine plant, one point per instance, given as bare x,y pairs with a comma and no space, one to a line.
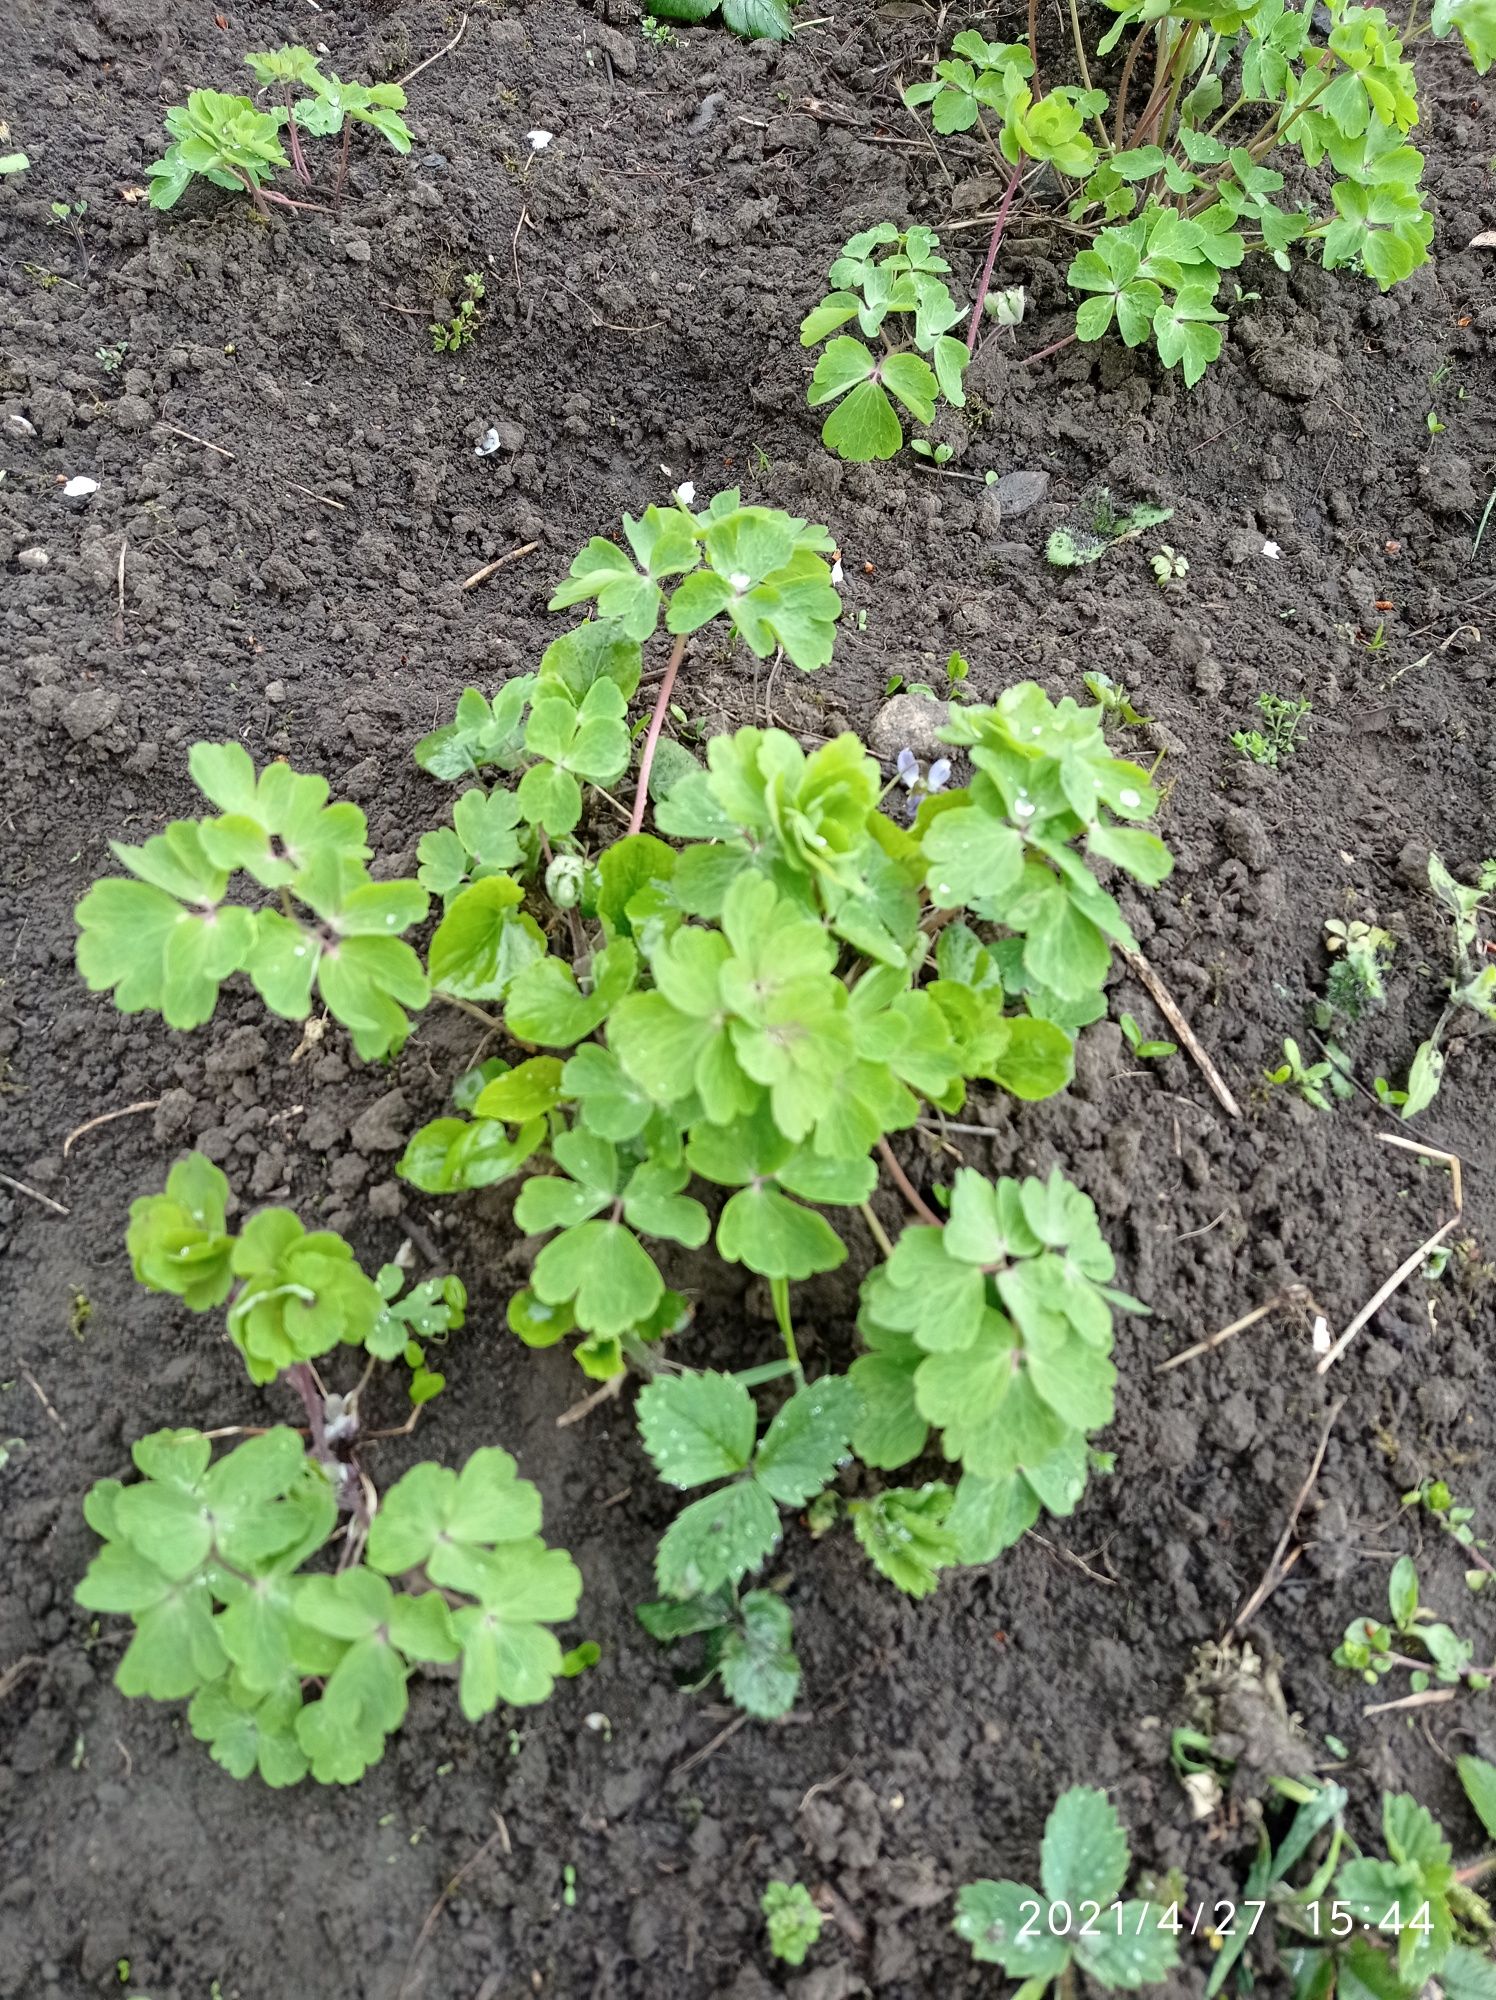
227,140
291,1669
1168,174
751,998
893,286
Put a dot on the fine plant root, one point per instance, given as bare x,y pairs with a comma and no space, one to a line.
1412,1262
1426,1699
606,1394
1290,1295
709,1748
1166,1004
107,1118
492,569
42,1397
461,31
14,1675
24,1187
906,1186
193,438
1282,1561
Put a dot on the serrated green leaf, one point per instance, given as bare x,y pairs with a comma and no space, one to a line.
717,1540
756,1657
1084,1857
697,1427
807,1440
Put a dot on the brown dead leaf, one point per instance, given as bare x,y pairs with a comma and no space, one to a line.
133,194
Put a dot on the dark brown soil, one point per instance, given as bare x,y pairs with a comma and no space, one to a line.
645,276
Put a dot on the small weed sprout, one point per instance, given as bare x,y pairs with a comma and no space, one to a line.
1356,986
1106,528
1114,700
1132,1034
14,163
111,359
453,335
1436,1500
1373,1649
1168,567
656,31
1277,740
794,1922
1305,1078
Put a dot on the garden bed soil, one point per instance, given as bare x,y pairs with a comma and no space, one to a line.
645,275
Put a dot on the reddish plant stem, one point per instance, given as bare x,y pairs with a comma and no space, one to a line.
906,1186
997,236
1033,47
1053,348
1125,84
298,158
337,193
656,724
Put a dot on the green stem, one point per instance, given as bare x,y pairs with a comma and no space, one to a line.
1085,73
1179,69
1226,116
779,1292
875,1228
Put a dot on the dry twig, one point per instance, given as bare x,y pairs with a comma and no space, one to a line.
498,1838
501,562
412,73
1289,1294
1168,1006
107,1118
1282,1562
23,1187
1412,1262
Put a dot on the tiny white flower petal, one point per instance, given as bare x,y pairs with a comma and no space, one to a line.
539,139
1321,1335
685,493
80,488
836,571
1272,551
487,444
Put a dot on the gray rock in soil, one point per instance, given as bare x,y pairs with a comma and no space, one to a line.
383,1128
908,722
33,558
1014,494
624,53
1295,370
90,713
1448,485
793,132
1247,839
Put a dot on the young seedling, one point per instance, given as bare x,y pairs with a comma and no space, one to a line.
453,335
1373,1649
654,30
1076,1920
292,1670
1357,985
14,163
1114,700
111,359
1471,988
1132,1034
794,1922
1435,1498
1168,567
1278,740
1167,174
1305,1078
892,284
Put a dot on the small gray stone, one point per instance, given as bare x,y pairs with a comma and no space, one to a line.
1014,494
384,1127
357,250
1246,838
385,1200
275,692
33,558
624,54
90,713
132,413
793,132
908,722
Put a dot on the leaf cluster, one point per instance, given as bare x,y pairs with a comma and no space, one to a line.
1472,984
291,1671
892,283
1415,1639
996,1331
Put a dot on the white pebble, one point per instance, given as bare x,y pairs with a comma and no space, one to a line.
33,558
80,488
539,139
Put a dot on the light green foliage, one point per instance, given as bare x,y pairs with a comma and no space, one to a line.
293,1295
893,285
1415,1640
760,569
1471,987
1115,701
793,1921
1277,740
753,20
1307,1079
1144,1050
229,141
451,336
700,1429
1356,986
749,1645
1084,1860
1073,547
1173,182
14,163
995,1330
904,1534
290,1672
222,138
1435,1498
168,938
